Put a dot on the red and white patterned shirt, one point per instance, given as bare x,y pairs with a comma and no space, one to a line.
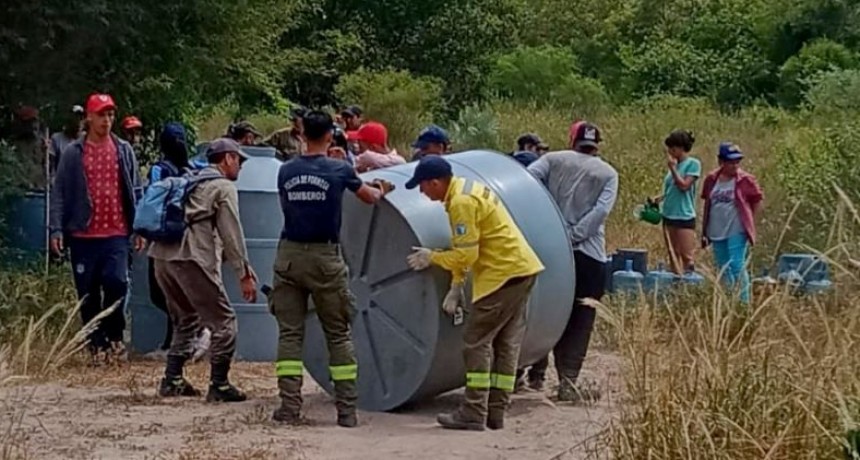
101,169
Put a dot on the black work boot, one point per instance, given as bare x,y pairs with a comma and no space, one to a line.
225,392
454,421
220,389
176,386
347,419
287,416
496,419
578,393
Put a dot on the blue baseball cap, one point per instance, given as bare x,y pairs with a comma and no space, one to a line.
431,135
429,168
730,152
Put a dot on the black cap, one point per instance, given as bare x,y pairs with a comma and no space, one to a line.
352,111
429,167
529,139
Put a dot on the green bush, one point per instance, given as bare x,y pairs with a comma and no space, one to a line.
547,76
816,57
476,128
812,162
835,90
402,102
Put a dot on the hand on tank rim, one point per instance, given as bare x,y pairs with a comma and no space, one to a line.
419,259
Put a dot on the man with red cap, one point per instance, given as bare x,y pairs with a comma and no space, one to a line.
585,188
132,132
373,149
91,212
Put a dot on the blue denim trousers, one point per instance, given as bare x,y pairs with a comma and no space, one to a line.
730,256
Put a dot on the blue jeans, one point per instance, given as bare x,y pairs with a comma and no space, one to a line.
731,255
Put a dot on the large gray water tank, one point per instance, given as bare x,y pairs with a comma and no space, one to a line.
407,349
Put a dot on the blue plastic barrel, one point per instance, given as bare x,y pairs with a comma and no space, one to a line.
638,256
799,263
817,287
627,281
816,276
26,227
660,281
692,278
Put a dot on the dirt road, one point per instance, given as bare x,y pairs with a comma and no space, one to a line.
113,413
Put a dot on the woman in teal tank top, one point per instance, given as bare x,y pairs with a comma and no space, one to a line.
679,200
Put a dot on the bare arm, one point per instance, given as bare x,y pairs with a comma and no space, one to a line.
683,183
369,194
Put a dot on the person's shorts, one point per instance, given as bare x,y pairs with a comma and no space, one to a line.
689,224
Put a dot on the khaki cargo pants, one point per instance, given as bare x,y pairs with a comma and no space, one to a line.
196,297
492,339
317,271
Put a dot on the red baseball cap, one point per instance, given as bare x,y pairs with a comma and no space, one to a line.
584,134
372,133
131,122
99,103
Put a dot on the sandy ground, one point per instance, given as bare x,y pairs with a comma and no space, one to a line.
113,413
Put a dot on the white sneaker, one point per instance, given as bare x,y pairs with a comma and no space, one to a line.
201,344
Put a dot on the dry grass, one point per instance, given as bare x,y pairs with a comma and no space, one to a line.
707,378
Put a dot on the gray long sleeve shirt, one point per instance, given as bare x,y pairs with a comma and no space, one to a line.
585,188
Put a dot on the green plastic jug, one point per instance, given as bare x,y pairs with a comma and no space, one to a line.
648,212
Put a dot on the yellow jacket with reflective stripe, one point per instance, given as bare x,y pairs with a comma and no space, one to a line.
484,239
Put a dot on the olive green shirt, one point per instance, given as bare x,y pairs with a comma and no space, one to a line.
287,142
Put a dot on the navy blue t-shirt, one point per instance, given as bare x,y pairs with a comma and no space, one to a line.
311,191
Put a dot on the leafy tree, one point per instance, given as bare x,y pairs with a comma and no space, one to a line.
548,76
835,91
816,57
159,59
396,98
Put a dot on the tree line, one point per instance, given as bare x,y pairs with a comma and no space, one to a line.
176,60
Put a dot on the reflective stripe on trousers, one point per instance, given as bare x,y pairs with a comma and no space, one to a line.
345,372
503,382
478,380
288,368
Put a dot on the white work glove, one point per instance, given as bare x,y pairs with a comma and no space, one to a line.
455,298
419,259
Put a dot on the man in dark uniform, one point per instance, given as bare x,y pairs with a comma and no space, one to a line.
309,264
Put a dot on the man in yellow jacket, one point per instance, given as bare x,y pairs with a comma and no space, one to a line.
487,242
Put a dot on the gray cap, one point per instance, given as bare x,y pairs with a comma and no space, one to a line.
224,145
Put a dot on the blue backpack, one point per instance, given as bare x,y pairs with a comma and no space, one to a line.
160,214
